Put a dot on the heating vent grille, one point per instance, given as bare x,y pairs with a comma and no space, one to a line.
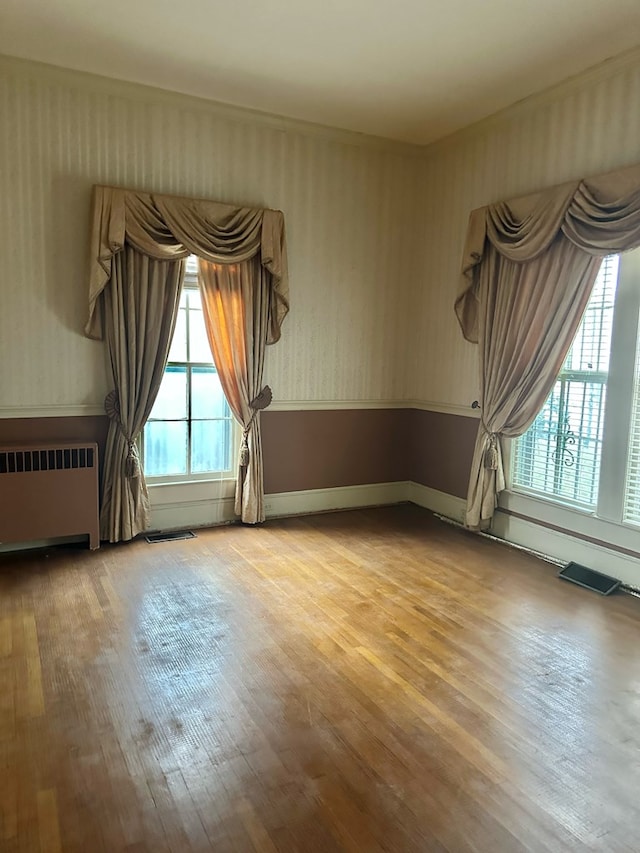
54,459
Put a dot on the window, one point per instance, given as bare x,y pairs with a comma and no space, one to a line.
583,449
190,433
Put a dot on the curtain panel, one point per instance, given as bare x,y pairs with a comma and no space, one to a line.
235,303
164,230
141,307
528,269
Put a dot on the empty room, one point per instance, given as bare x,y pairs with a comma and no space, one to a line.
320,427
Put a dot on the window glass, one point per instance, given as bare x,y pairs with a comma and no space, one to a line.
190,430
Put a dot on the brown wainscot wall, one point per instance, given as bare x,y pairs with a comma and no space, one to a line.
441,447
321,449
333,448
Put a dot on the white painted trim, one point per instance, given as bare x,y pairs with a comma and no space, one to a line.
88,82
61,411
338,405
190,491
179,512
333,405
565,547
444,408
573,520
187,514
343,497
440,502
55,411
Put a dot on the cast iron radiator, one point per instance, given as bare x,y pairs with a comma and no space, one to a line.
49,490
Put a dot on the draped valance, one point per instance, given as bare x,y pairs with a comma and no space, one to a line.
599,215
169,228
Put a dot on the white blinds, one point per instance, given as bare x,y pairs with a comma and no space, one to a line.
632,484
560,453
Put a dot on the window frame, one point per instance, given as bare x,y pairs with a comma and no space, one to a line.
190,284
605,523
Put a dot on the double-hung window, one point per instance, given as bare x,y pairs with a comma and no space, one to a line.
583,449
190,432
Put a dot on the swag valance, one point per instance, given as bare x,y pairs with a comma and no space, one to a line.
599,215
171,227
528,269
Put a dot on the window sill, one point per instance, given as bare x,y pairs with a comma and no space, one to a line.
190,491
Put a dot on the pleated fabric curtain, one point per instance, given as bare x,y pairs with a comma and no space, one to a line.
528,271
236,307
126,227
140,310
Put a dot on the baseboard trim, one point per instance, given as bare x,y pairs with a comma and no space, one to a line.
306,501
565,547
440,502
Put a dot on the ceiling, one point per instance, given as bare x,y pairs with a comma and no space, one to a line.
411,70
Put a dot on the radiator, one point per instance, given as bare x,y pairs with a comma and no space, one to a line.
49,490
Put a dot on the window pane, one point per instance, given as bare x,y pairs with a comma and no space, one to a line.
207,399
199,349
560,452
171,401
178,351
211,446
591,347
165,448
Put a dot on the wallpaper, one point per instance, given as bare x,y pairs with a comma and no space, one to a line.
350,212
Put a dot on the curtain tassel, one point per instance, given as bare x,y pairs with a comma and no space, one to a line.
256,405
132,462
491,454
244,449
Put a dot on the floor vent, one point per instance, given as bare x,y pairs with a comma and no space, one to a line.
589,578
170,537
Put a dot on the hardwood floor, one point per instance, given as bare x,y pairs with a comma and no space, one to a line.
363,681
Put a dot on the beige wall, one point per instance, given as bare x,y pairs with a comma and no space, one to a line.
584,127
350,210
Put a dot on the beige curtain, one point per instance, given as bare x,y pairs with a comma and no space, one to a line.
528,270
140,308
236,301
169,228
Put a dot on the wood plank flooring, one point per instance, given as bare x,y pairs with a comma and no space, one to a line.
362,681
